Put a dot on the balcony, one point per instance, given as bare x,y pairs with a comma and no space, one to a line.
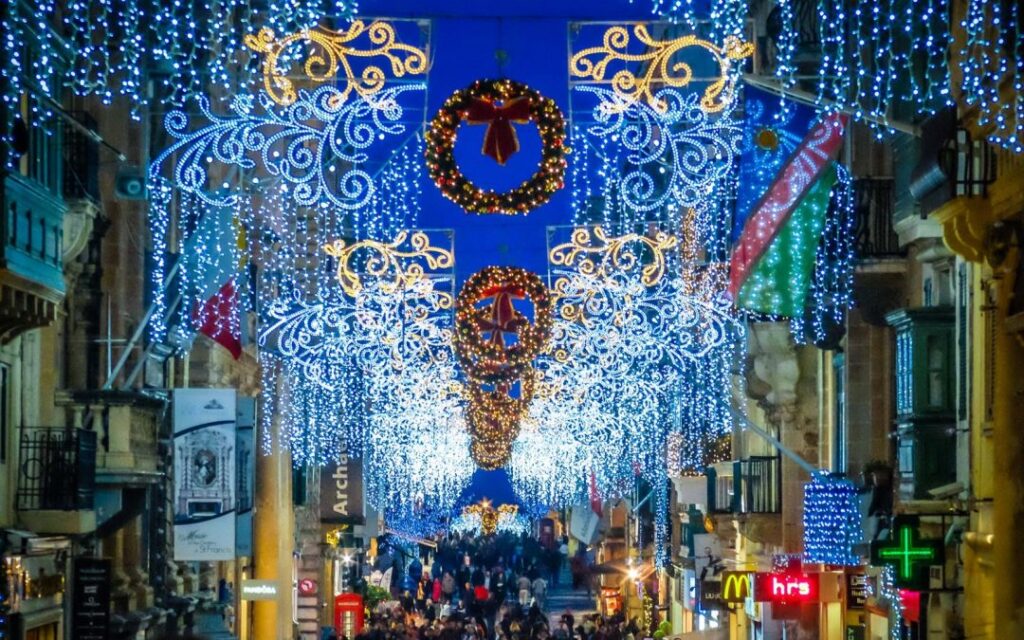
57,480
127,424
875,238
749,486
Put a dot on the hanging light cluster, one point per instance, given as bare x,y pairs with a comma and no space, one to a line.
496,346
832,522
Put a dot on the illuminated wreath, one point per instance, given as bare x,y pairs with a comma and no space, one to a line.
479,104
490,360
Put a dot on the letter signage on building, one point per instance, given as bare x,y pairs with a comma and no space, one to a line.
786,588
856,590
736,586
205,480
341,492
711,597
259,590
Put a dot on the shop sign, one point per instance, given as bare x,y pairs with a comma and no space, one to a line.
259,590
341,492
711,595
856,590
736,586
90,604
788,588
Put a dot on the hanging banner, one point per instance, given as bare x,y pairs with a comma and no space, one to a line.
341,492
90,606
205,479
245,461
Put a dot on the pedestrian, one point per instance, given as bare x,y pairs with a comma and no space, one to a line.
540,592
448,586
524,591
435,590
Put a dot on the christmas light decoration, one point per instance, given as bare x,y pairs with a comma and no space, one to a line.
334,48
442,135
672,159
488,516
662,68
883,590
493,367
315,147
489,359
992,64
832,522
509,520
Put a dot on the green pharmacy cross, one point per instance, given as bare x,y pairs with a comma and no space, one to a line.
908,555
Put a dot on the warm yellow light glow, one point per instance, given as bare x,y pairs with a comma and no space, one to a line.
330,60
659,70
403,259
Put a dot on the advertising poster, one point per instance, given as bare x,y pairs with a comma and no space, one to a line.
205,479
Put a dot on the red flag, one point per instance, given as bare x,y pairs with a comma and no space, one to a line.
212,255
595,497
218,319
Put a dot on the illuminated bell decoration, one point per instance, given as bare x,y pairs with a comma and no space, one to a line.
497,103
489,516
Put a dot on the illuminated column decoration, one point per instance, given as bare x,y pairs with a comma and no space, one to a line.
832,522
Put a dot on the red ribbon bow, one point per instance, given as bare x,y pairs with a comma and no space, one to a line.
503,315
500,140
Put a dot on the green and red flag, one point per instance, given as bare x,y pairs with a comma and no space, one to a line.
781,213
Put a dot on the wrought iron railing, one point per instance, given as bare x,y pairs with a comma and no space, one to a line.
57,469
873,210
81,160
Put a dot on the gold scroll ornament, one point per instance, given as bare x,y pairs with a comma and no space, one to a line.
658,68
331,56
403,260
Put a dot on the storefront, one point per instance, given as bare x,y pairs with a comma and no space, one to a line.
35,581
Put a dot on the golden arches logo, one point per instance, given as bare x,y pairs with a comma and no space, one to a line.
736,585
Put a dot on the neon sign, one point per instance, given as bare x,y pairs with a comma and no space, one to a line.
908,555
793,588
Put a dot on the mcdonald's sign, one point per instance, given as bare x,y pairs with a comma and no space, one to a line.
736,586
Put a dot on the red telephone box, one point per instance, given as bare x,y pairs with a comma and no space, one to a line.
348,614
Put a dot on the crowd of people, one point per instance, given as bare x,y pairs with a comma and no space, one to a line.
490,588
